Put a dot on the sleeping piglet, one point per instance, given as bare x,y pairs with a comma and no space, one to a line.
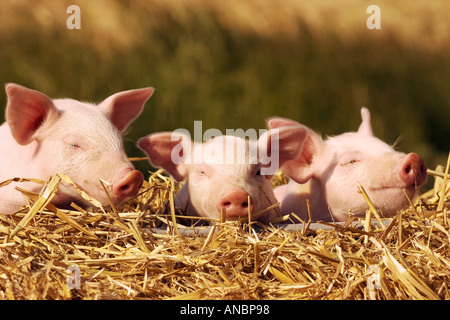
329,171
42,137
226,172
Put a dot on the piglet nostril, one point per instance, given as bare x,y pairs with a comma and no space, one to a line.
423,169
129,186
236,203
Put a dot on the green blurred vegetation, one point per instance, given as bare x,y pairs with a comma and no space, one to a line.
234,65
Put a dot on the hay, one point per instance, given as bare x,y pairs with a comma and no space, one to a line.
145,251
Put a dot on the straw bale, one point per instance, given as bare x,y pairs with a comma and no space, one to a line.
145,249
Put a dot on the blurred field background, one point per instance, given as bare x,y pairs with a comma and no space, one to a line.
235,63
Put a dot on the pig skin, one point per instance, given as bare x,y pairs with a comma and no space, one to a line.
329,171
42,137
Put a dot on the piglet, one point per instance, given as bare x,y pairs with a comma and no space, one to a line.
329,171
42,137
226,172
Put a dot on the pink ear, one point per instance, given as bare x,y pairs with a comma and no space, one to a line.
160,147
26,111
301,169
365,127
124,107
288,144
298,167
276,122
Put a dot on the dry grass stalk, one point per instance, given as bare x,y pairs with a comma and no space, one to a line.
124,253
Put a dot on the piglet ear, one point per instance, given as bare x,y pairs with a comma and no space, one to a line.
301,169
365,127
26,111
166,150
299,164
124,107
276,122
284,143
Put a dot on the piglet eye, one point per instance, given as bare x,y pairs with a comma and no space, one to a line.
350,162
258,173
74,146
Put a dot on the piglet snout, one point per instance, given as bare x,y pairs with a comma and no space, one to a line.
412,170
129,185
236,203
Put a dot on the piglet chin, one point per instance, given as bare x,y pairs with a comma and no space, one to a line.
389,200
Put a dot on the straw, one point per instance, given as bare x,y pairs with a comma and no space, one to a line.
444,185
141,250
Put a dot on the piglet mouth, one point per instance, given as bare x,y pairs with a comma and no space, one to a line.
392,187
122,189
233,218
411,173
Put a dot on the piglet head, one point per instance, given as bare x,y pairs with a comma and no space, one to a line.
225,173
339,164
79,139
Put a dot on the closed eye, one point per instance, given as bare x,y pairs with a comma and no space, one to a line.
203,170
74,146
74,142
349,162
